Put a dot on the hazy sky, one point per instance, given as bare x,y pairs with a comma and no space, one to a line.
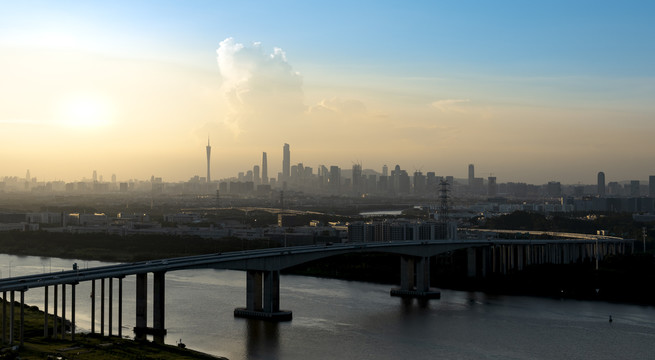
529,91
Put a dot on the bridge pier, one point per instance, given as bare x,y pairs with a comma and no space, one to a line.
263,297
471,262
45,312
158,331
415,279
11,317
110,307
158,306
63,311
120,307
141,327
21,331
4,317
54,311
73,312
93,306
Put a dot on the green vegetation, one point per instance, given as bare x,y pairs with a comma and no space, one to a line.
87,346
116,248
615,224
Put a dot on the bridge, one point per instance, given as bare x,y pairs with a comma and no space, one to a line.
263,268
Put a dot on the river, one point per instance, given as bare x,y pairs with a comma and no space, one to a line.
335,319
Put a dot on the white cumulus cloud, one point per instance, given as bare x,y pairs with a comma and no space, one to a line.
259,88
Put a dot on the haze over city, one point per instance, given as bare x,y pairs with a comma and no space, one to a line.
527,91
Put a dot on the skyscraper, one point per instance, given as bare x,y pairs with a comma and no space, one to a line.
601,184
471,174
492,186
209,154
264,169
357,178
286,162
635,188
651,186
255,175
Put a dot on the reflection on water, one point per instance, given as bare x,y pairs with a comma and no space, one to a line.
352,320
262,339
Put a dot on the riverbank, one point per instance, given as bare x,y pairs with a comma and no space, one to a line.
87,346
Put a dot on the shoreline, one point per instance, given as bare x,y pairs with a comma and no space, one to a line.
86,345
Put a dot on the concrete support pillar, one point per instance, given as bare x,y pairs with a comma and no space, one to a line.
512,257
471,261
423,274
494,259
93,306
120,307
263,297
407,273
141,306
55,299
22,317
272,291
72,312
254,290
45,312
415,279
11,317
485,262
4,317
158,306
110,307
102,307
504,258
63,311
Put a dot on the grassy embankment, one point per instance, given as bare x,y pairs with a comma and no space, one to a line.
85,346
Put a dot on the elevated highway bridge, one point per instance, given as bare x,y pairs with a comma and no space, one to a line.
263,268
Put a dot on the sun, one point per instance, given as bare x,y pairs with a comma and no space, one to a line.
86,112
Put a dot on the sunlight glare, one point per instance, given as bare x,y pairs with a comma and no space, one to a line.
86,112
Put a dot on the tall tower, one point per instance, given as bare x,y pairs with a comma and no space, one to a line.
264,169
209,154
601,184
286,162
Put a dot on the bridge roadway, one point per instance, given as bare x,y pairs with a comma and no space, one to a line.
263,270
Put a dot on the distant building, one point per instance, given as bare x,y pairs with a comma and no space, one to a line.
651,186
471,174
209,153
634,188
357,179
601,184
492,187
286,162
264,169
554,188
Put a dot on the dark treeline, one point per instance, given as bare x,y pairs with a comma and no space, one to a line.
615,224
115,248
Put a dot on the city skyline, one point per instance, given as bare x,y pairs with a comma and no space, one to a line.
527,92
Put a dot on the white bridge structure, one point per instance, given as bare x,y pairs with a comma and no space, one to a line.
262,268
